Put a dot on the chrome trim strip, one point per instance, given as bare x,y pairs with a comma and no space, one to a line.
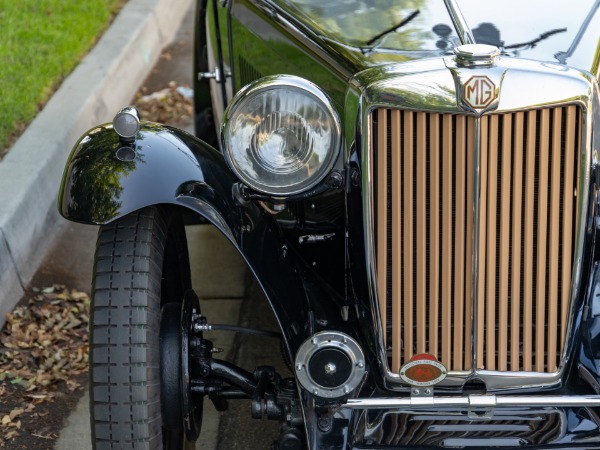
476,211
462,28
474,401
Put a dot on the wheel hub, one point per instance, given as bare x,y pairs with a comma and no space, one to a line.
182,408
191,402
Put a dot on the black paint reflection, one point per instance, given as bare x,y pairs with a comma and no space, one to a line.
96,176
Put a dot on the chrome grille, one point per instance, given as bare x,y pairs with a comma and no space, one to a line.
424,167
429,431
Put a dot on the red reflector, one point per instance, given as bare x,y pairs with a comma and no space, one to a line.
423,370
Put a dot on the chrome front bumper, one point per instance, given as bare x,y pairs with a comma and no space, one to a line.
478,405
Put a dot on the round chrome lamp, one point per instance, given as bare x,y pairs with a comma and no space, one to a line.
281,135
330,365
127,123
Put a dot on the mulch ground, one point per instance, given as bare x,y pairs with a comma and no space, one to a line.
43,366
171,105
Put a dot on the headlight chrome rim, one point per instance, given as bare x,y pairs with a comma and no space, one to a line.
295,86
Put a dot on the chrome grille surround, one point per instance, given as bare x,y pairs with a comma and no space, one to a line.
430,86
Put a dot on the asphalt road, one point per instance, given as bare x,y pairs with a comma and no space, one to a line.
227,291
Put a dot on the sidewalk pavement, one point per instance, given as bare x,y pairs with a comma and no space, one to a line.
104,82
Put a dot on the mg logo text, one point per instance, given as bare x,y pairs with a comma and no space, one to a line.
479,92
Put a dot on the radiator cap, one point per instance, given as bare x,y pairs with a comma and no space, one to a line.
476,55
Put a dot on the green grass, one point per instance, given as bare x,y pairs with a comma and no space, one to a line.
41,42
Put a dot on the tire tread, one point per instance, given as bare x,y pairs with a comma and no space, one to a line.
126,414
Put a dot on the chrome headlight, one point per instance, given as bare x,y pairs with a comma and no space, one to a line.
280,135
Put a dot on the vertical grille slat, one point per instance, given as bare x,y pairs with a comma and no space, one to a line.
516,262
504,241
483,174
542,230
434,235
488,253
421,232
529,241
554,238
407,211
460,177
572,136
382,205
396,243
424,201
446,266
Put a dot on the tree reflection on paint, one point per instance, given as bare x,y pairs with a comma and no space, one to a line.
357,22
96,177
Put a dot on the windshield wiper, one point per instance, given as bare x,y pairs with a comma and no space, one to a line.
534,42
394,28
563,56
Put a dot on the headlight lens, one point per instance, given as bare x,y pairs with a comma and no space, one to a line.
281,135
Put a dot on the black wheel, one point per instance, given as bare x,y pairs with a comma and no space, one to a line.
141,265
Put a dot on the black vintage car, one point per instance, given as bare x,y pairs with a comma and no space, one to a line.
416,191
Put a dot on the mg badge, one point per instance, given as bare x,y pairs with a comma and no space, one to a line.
479,92
423,370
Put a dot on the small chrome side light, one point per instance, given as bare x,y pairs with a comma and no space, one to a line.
127,123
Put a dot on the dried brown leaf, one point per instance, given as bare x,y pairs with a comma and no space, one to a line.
43,343
11,434
16,413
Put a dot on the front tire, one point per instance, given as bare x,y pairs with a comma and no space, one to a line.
141,265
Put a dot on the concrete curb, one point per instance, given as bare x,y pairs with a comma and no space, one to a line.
30,174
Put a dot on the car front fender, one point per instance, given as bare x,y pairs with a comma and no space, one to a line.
106,178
